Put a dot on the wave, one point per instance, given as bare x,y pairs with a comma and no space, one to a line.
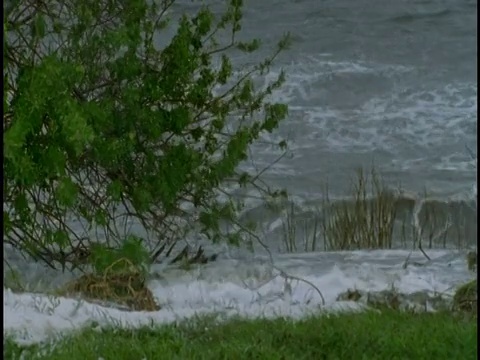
443,223
412,16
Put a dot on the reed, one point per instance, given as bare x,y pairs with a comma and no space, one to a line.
374,216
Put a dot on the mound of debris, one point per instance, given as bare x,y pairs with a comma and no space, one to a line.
465,299
391,299
125,290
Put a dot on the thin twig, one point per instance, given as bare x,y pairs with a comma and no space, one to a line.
283,274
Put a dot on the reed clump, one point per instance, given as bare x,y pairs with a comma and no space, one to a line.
364,222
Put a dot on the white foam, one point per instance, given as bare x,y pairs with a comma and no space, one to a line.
424,118
250,288
403,121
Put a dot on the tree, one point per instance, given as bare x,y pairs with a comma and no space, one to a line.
102,126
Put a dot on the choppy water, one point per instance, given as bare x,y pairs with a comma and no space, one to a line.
392,82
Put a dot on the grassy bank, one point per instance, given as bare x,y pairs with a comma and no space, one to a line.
390,335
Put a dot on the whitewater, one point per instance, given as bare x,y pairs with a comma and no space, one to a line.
248,288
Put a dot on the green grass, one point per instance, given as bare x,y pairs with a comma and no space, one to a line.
390,335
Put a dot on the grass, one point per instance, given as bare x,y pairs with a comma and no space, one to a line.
368,335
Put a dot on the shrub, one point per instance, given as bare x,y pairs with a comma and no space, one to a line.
103,128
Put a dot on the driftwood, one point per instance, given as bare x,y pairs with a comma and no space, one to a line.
81,254
198,258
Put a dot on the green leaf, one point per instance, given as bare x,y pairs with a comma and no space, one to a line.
60,237
39,26
20,204
133,250
249,46
66,192
7,224
102,258
100,217
114,190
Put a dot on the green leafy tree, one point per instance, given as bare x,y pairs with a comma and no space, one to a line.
103,126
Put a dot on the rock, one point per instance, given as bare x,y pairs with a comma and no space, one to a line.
391,299
465,298
472,260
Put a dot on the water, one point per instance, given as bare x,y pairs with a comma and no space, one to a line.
391,82
386,82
